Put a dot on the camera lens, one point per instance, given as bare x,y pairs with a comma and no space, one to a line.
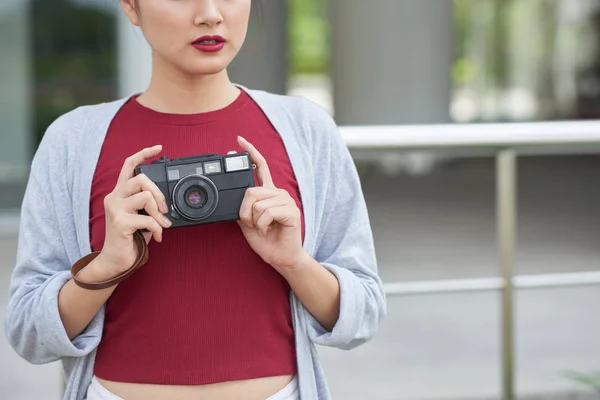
195,197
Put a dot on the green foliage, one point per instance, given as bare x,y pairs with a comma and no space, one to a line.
309,36
464,70
462,12
484,27
591,380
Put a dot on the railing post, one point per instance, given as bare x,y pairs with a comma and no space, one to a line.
506,190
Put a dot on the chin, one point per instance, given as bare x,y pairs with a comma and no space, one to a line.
206,67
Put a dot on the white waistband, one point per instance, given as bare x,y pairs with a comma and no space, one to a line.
98,392
290,392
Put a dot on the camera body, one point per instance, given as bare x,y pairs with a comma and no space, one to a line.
201,189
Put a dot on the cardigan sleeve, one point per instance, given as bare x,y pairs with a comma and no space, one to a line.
345,244
32,321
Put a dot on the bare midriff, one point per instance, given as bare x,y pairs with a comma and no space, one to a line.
251,389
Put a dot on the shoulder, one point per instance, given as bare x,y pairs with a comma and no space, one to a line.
63,139
71,126
299,108
62,145
308,119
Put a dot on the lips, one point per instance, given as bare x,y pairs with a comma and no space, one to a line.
209,40
209,44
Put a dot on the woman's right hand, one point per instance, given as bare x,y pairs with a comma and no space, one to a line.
121,206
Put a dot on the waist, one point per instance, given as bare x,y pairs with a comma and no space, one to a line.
269,388
181,323
199,351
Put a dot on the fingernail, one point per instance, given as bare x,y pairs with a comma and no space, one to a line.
164,206
167,221
239,137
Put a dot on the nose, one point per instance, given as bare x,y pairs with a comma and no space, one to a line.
208,13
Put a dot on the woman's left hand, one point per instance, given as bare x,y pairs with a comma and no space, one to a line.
270,219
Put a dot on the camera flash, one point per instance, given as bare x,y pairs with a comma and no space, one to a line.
238,163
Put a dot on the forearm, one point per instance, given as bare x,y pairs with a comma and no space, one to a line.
78,306
318,290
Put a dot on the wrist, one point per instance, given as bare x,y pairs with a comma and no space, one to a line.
305,263
98,270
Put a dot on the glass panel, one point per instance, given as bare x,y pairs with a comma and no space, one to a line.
526,60
74,47
15,98
61,54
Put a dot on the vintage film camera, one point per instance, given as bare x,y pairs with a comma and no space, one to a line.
201,189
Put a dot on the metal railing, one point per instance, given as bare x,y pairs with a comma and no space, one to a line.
506,141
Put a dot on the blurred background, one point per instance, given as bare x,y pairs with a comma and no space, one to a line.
380,62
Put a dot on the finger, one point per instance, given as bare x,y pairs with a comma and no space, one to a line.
251,196
283,215
128,169
143,183
139,222
145,201
259,207
262,168
147,236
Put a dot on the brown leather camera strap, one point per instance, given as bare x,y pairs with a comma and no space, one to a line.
142,258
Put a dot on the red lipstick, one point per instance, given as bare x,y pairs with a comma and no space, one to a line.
209,43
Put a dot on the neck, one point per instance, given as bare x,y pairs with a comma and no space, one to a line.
172,91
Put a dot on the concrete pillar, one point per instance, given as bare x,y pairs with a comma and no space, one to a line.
15,92
262,61
391,61
135,57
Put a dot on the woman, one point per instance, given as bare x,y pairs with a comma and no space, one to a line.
227,310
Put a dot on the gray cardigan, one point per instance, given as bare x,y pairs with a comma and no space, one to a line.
54,233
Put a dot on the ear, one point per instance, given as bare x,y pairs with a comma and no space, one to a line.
129,7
